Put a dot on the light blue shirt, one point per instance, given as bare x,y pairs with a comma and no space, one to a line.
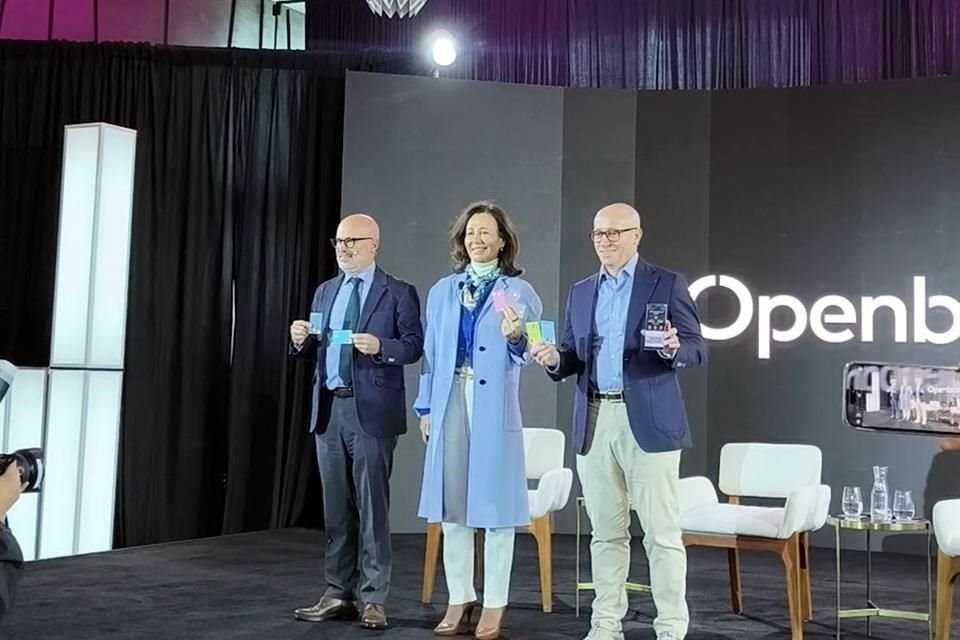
337,312
610,322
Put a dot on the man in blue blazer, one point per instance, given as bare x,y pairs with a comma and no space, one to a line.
629,419
365,326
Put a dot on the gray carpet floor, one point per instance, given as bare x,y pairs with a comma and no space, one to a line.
246,586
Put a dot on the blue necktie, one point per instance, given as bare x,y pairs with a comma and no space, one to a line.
350,319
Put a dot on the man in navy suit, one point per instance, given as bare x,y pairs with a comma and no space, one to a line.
365,327
629,419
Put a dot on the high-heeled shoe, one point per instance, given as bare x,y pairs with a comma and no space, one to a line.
459,627
489,633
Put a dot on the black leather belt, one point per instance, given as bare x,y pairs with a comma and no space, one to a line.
342,392
610,396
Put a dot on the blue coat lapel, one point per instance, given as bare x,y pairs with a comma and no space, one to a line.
378,287
645,280
326,302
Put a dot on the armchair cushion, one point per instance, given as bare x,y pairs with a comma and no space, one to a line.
946,526
733,520
701,512
552,492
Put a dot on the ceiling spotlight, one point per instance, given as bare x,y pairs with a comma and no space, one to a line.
444,48
401,8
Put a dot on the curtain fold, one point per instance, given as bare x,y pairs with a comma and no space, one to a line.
662,44
237,188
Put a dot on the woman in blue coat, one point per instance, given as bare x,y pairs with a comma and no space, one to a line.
469,408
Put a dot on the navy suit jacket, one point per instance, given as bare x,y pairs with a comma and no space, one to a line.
390,312
655,407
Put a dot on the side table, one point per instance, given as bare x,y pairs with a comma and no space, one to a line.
872,610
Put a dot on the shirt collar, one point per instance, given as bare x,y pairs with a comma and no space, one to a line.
627,271
366,276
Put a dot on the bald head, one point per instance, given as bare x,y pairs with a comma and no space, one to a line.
359,225
616,236
617,216
358,238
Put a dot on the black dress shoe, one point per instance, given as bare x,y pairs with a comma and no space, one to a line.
327,609
374,617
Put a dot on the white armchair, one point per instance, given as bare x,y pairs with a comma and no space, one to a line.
543,451
946,526
789,472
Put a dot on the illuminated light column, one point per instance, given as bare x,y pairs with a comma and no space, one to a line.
85,378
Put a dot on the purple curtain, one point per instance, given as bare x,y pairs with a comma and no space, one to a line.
661,44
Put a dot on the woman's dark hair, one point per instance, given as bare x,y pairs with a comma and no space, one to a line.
511,245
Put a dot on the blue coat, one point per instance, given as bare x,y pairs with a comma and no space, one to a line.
497,480
655,408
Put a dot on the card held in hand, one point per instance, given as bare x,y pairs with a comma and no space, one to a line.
533,333
548,331
499,301
316,323
342,337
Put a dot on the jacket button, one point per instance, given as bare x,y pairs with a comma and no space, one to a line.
483,382
483,348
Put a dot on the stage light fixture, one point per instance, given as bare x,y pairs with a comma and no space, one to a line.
444,48
399,8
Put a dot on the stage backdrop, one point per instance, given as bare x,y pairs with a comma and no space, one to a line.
804,192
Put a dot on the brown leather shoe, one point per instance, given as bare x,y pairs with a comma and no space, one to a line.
374,617
327,609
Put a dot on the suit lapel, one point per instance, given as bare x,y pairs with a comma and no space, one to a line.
326,301
589,311
377,288
645,281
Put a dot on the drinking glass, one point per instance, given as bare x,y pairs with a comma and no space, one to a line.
852,502
903,507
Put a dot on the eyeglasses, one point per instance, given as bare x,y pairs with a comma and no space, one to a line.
346,242
612,235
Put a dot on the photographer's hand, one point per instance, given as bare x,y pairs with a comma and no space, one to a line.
10,489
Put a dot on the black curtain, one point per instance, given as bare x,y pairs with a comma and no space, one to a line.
237,189
661,44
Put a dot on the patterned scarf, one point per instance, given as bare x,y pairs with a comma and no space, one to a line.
480,279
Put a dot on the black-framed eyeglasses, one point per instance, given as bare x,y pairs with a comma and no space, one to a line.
612,235
347,242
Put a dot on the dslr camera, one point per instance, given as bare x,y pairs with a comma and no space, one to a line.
29,461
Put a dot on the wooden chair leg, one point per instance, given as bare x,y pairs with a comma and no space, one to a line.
791,564
806,597
736,590
430,561
540,528
947,570
478,566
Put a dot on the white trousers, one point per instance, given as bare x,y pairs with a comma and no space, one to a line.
458,548
458,564
616,474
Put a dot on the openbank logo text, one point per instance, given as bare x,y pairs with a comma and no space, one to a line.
827,314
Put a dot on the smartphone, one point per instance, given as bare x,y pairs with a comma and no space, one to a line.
902,398
655,326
